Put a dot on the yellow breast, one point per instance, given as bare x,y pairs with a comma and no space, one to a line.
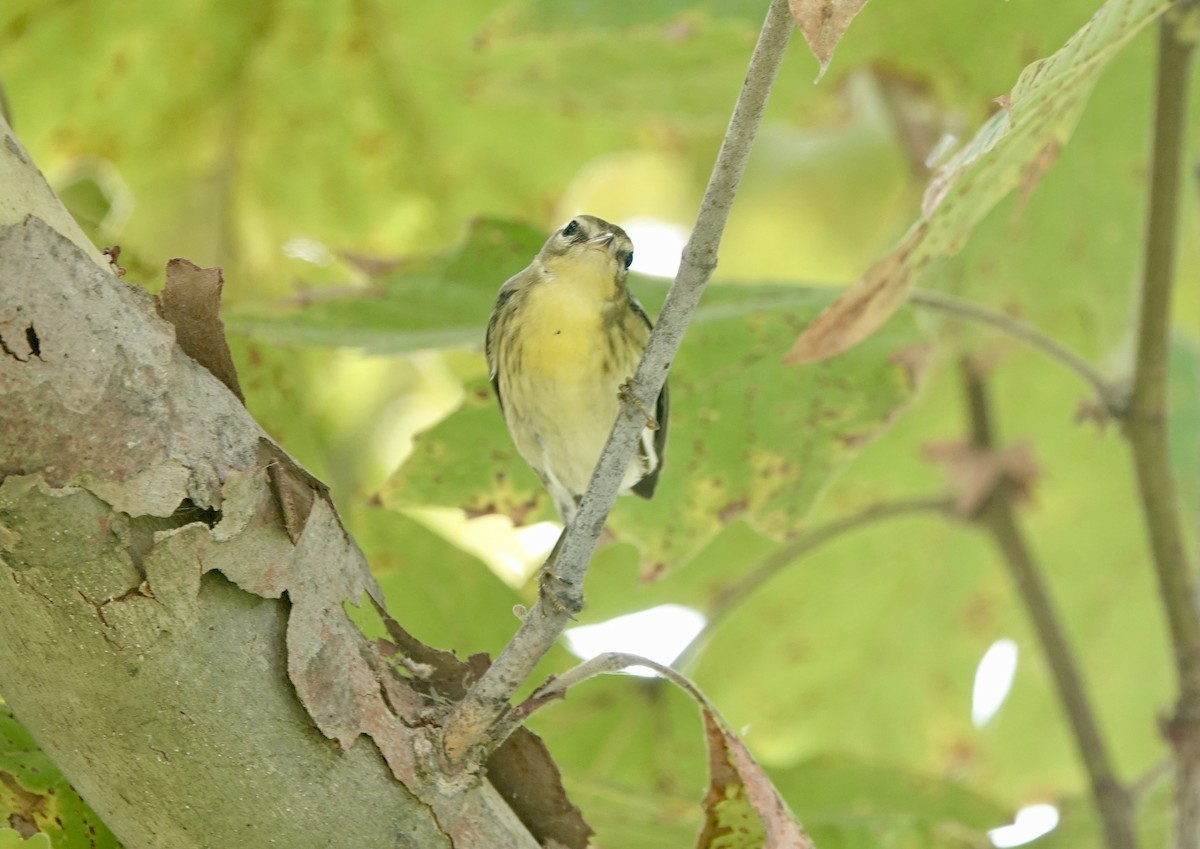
563,334
570,354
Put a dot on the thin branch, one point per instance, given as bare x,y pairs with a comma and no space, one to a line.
1146,424
1114,396
610,663
467,727
775,562
998,517
556,687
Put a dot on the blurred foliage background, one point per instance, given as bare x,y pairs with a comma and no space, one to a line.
367,174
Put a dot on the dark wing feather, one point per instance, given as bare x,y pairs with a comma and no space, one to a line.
645,487
489,346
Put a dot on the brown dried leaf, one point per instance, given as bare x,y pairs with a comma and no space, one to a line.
862,308
191,301
525,775
294,489
974,472
823,23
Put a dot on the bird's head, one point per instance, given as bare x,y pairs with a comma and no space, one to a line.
588,242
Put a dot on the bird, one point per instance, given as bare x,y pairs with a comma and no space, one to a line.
563,341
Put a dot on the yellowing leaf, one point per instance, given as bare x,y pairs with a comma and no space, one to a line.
743,810
1013,148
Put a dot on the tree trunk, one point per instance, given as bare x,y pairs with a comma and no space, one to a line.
171,587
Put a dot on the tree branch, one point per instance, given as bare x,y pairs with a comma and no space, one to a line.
998,517
1114,396
1146,424
775,562
467,727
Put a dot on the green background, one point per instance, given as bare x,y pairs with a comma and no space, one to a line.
421,151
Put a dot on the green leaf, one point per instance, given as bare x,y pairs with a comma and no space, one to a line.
11,839
635,747
1079,823
437,301
847,803
416,569
558,18
228,147
34,792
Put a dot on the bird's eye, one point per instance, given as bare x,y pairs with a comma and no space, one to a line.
629,259
571,229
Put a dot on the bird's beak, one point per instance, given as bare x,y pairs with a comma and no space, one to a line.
604,239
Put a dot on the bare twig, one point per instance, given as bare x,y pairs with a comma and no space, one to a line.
556,687
467,727
1146,424
775,562
610,663
607,663
1114,396
998,517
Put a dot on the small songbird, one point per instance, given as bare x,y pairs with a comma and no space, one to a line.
563,340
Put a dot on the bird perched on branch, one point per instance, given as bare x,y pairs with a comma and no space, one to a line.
563,341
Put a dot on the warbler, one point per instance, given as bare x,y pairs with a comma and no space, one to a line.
563,340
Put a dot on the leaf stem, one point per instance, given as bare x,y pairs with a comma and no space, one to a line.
1112,395
998,517
1146,423
467,728
775,562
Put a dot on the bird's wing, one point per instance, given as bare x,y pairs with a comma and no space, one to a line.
490,345
645,487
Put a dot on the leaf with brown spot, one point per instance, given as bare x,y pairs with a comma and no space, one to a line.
1012,149
823,23
191,302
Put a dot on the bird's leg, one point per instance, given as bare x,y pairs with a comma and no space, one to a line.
625,393
559,594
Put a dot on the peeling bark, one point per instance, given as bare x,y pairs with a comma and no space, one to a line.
171,636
